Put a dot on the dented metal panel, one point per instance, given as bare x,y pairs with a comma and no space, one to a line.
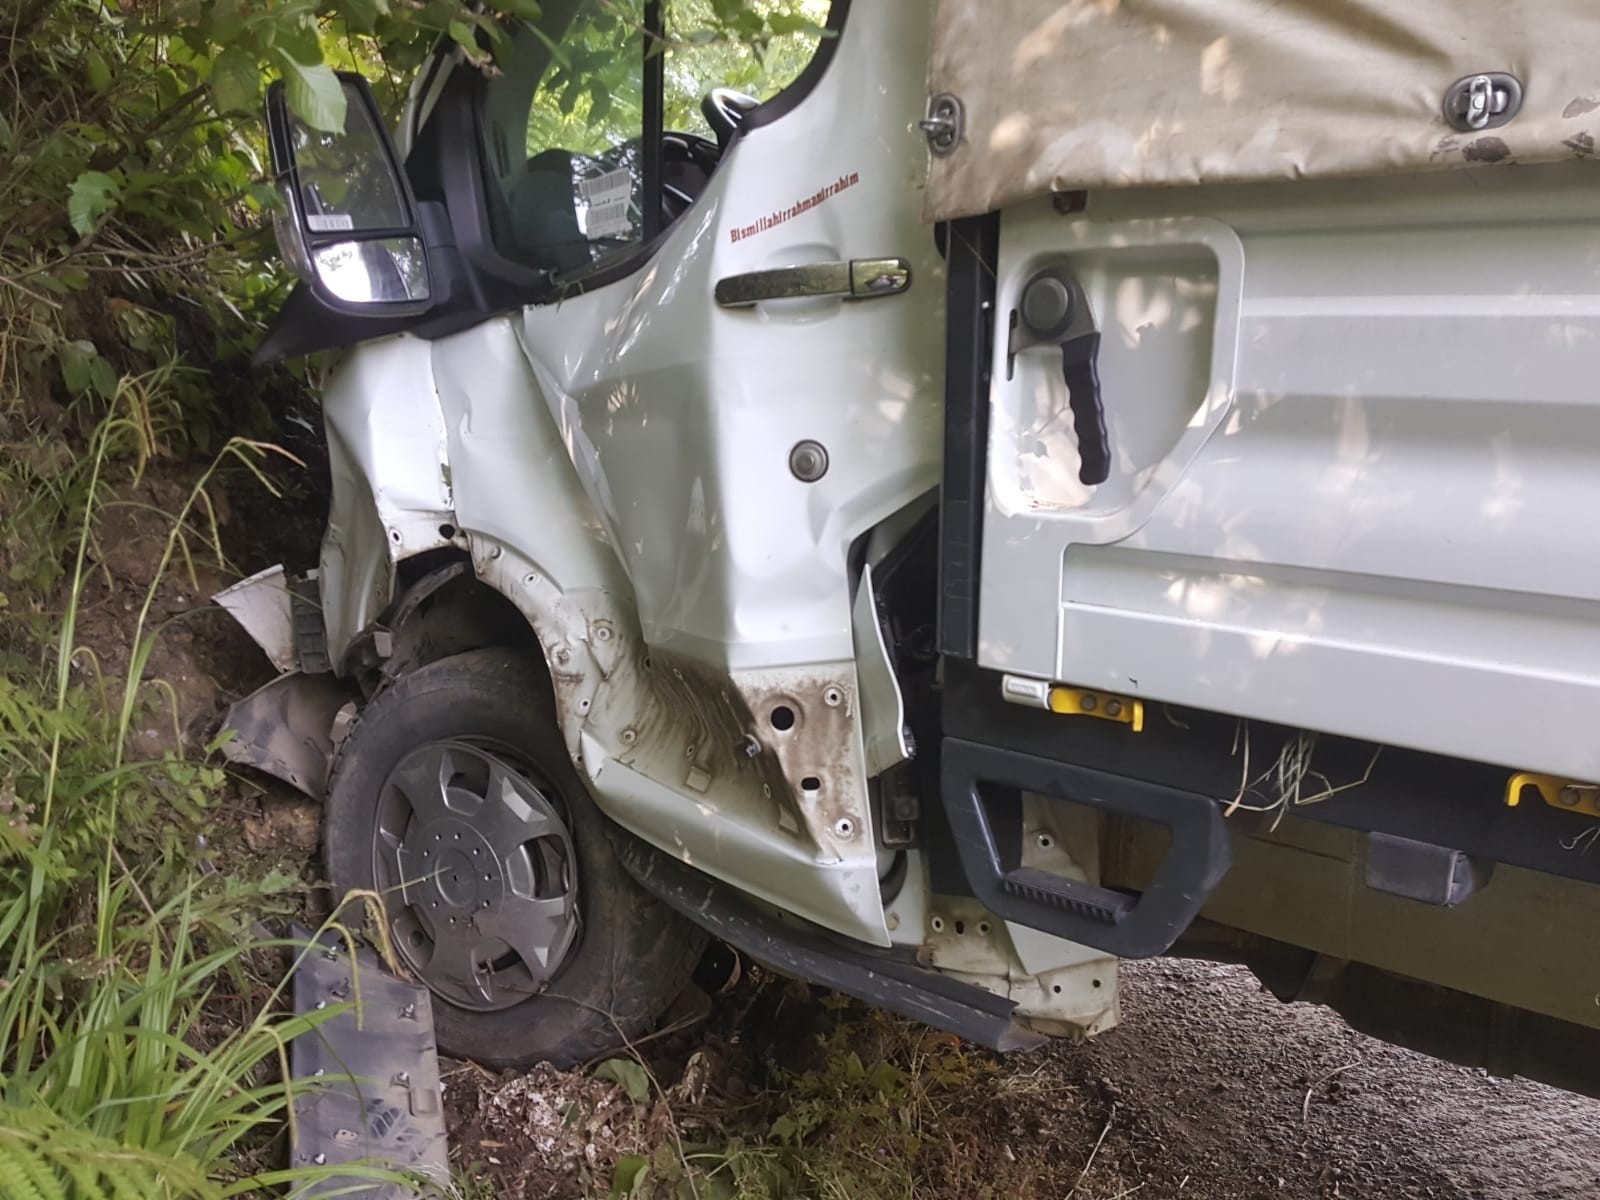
392,495
1061,96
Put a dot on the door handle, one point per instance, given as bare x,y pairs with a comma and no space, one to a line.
858,279
1055,312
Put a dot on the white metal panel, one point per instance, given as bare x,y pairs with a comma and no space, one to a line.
261,605
390,474
1388,535
680,415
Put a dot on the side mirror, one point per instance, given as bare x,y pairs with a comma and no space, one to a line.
348,224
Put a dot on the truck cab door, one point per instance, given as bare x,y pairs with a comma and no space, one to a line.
739,356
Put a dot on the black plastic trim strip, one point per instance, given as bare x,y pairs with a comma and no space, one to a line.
655,82
974,246
797,948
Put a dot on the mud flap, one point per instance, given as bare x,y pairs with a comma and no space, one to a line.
368,1079
286,729
989,840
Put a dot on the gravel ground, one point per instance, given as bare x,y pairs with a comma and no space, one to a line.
1213,1089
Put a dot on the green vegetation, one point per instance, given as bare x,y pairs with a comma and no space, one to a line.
140,1052
592,98
142,1028
847,1127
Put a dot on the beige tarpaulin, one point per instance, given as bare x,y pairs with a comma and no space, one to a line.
1068,94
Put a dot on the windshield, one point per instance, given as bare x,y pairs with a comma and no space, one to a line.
563,121
697,63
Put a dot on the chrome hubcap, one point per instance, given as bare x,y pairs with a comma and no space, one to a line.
478,873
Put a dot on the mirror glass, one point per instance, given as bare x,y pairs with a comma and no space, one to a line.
347,181
373,271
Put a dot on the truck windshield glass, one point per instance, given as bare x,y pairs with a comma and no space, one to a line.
562,126
563,121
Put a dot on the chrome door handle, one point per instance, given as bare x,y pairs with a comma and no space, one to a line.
858,279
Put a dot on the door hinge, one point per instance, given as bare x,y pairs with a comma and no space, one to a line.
944,124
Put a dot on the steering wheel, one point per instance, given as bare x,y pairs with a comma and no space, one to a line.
724,110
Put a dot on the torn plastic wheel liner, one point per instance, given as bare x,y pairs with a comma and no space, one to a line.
367,1080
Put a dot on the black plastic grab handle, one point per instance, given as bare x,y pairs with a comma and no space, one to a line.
1053,310
1082,376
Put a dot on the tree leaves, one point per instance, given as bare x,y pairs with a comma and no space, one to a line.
97,71
635,1082
464,35
82,368
235,80
362,15
314,93
92,195
629,1177
527,9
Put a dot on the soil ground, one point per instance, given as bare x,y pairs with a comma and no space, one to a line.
1211,1090
1212,1081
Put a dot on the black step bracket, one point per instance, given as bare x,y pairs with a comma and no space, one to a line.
1421,871
1125,924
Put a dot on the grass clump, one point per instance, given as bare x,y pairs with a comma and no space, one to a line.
143,1034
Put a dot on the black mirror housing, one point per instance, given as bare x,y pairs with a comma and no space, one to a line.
348,225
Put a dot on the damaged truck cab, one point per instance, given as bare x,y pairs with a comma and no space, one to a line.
942,532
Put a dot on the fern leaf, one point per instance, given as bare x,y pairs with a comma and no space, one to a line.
21,1171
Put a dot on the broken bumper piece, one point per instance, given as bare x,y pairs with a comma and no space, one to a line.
367,1080
287,728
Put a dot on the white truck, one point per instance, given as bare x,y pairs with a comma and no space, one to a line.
1058,482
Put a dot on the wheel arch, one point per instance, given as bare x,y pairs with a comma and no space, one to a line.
451,601
440,608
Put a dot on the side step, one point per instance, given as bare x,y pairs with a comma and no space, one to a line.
798,949
979,786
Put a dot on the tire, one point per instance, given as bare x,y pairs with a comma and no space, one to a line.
629,955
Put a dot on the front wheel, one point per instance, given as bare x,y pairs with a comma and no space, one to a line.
454,798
